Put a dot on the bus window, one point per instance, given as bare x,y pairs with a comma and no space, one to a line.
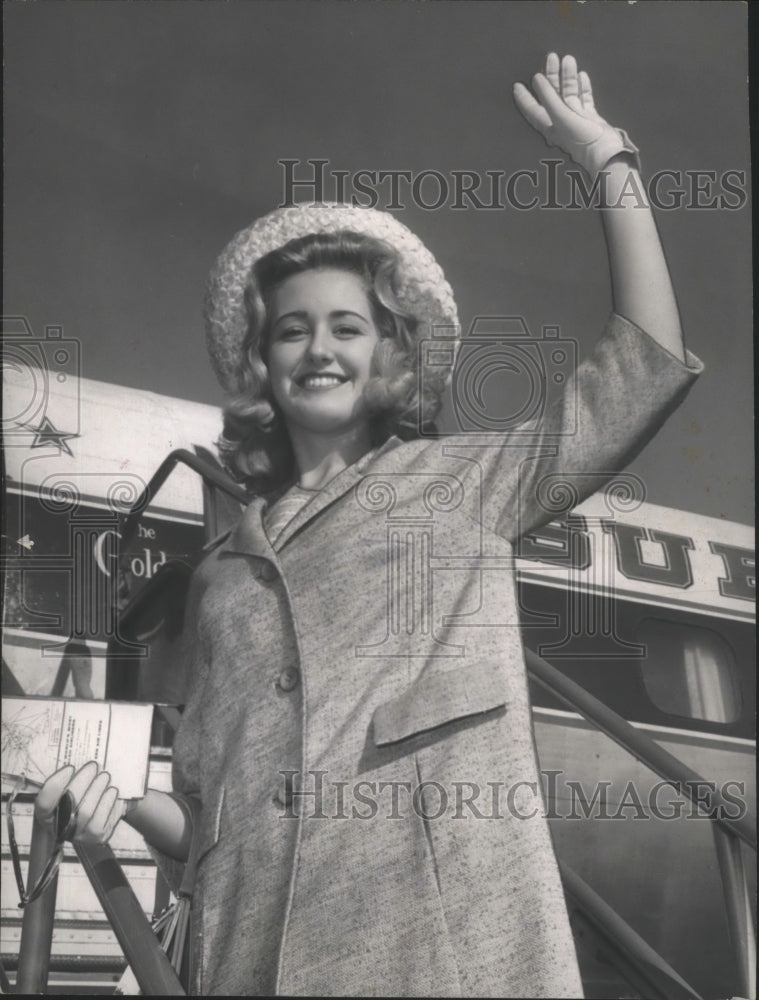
689,671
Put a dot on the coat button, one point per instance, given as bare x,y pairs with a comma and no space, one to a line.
268,572
288,679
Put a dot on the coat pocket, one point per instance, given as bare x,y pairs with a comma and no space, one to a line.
438,697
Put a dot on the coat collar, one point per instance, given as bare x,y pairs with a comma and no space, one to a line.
249,537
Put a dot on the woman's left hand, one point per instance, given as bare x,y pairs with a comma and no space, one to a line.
93,807
565,115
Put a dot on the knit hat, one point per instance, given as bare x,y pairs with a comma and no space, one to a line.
422,290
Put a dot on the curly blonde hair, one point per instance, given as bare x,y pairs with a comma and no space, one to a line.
255,445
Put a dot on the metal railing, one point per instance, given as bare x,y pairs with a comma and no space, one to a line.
148,961
211,473
728,830
638,962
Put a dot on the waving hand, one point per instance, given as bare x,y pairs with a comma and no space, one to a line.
563,111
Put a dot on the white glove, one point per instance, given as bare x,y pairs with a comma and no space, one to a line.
95,804
565,116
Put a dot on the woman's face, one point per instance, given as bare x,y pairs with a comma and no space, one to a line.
322,337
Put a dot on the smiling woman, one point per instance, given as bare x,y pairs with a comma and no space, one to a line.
357,628
320,353
325,304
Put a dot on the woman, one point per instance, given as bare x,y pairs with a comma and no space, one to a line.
356,754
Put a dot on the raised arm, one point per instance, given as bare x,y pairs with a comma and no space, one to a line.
563,111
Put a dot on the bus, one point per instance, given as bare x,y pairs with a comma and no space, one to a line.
648,608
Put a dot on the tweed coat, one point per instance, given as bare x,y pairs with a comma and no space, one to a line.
357,727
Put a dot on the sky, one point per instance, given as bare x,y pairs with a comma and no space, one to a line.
139,137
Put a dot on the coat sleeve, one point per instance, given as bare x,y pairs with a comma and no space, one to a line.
186,749
618,398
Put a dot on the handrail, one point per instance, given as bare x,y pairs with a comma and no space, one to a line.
740,909
727,828
640,746
209,472
146,957
38,918
642,965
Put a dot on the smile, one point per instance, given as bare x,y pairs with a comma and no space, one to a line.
320,381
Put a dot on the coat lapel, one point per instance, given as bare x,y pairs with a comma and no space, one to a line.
249,537
335,488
